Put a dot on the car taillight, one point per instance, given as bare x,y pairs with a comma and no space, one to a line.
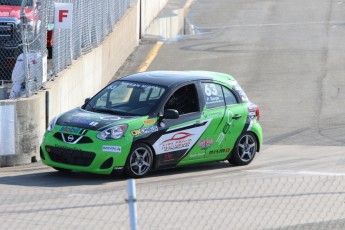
257,112
253,110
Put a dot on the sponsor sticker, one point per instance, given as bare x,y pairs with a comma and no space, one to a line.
109,148
181,140
66,129
206,143
150,129
146,130
136,132
220,151
118,168
149,121
110,118
213,100
197,155
84,121
212,114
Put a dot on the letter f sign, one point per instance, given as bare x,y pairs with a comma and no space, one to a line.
63,15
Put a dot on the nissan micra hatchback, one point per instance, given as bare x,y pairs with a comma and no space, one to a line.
152,120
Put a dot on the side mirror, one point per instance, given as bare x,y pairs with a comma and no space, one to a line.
87,100
171,114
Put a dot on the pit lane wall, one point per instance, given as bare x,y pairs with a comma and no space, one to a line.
23,121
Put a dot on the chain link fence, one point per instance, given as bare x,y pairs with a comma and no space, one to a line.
93,21
28,39
299,202
22,45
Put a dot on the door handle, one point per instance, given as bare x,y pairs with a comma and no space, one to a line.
236,116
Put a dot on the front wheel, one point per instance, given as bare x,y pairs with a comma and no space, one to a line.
140,161
245,149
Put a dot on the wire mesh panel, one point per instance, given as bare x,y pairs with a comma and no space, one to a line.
92,22
23,46
26,37
10,37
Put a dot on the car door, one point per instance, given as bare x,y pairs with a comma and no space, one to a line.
178,144
234,120
226,117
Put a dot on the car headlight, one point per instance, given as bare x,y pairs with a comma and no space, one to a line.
113,133
52,124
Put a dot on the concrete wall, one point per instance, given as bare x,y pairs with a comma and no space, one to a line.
149,12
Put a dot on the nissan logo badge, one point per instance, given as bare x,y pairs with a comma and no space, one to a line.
70,138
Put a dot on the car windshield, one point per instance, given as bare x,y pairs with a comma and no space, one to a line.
126,98
15,2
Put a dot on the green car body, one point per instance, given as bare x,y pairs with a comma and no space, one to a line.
156,120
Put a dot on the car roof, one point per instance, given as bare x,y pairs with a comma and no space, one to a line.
172,78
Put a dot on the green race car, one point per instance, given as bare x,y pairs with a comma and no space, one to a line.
153,120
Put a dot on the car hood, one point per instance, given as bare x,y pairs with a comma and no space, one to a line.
89,120
12,11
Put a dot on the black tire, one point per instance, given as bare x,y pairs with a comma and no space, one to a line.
245,149
61,170
140,161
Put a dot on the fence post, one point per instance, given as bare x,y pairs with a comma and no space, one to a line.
132,204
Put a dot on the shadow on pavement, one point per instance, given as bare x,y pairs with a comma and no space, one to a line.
61,179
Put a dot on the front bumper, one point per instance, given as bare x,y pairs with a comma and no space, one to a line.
85,157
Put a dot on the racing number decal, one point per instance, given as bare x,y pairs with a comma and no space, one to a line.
210,89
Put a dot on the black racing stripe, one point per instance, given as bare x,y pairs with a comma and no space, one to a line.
188,127
246,126
222,118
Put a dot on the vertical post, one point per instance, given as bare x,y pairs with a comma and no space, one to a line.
23,24
132,204
47,109
140,19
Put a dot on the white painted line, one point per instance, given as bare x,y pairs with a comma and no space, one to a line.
290,172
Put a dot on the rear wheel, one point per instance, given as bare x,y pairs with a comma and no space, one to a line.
140,161
245,149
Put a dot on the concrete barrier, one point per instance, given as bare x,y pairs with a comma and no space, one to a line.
21,130
23,122
149,12
169,22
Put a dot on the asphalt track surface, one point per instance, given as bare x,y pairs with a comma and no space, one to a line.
289,57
